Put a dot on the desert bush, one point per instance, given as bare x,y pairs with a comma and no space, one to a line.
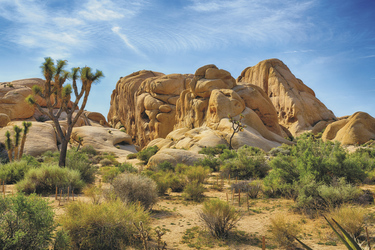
197,173
105,162
194,191
339,192
50,157
109,173
314,196
351,218
250,187
283,231
282,150
218,149
219,217
147,153
80,162
94,193
228,154
131,156
108,225
127,167
89,150
31,160
209,161
26,222
165,166
62,241
250,163
45,179
167,180
132,188
14,171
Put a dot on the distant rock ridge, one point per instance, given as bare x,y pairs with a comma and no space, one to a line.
183,113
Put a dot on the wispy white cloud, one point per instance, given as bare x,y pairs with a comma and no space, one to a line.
124,38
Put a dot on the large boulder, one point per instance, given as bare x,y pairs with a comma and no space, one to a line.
12,101
104,139
297,107
356,129
174,156
41,137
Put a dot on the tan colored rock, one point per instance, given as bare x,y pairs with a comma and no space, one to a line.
297,107
105,139
13,104
356,129
222,103
96,117
4,120
41,137
174,156
257,100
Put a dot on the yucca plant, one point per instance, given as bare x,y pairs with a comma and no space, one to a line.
343,235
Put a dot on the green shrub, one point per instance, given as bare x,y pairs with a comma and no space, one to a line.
194,191
147,153
314,196
197,173
165,166
109,173
132,188
127,167
89,150
80,162
209,161
106,162
131,156
31,160
219,217
250,163
45,179
167,180
108,225
14,171
26,222
228,154
218,149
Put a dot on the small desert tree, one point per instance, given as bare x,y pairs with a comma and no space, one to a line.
9,145
17,138
26,126
237,126
55,90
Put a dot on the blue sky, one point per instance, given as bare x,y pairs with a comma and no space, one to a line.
330,45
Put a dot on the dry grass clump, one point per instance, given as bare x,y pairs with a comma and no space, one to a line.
108,225
219,217
283,232
133,188
351,218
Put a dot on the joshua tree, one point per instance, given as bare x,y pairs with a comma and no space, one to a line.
54,90
80,140
17,138
26,126
237,126
9,145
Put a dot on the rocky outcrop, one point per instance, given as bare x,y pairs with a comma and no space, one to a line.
297,107
354,130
